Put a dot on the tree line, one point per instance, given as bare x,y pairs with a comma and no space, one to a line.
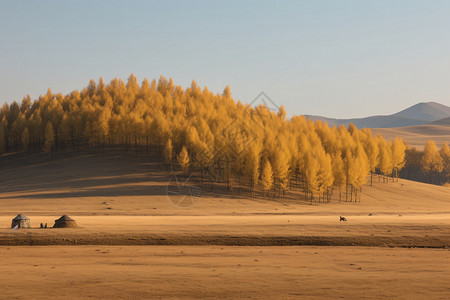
432,165
195,131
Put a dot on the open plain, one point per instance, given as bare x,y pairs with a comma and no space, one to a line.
133,242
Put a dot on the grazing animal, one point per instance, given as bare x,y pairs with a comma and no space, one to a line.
370,214
342,219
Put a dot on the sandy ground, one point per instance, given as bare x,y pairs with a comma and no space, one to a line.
137,272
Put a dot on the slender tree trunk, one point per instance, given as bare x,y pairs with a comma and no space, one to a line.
360,192
346,192
351,193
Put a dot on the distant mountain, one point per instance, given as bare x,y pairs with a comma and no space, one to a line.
427,112
419,114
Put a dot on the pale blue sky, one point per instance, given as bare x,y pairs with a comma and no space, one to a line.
331,58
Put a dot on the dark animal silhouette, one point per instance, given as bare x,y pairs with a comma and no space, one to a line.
342,219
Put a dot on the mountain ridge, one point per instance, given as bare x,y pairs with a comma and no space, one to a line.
421,113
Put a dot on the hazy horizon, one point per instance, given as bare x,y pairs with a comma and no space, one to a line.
350,59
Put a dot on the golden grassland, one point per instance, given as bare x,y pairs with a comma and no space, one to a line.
134,243
216,272
417,136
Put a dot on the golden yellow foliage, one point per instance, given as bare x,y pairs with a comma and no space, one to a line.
215,133
49,137
267,176
385,156
183,160
431,160
168,150
445,155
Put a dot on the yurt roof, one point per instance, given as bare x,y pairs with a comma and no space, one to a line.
65,218
20,217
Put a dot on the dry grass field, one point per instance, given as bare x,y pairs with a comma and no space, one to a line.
135,243
212,272
417,136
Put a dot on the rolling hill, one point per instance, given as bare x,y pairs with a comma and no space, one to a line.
417,135
443,122
419,114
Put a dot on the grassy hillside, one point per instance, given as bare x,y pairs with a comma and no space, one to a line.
124,201
417,136
115,185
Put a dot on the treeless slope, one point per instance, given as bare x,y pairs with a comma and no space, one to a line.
426,111
417,136
102,185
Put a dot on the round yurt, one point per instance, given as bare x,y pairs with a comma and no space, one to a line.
20,222
65,222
